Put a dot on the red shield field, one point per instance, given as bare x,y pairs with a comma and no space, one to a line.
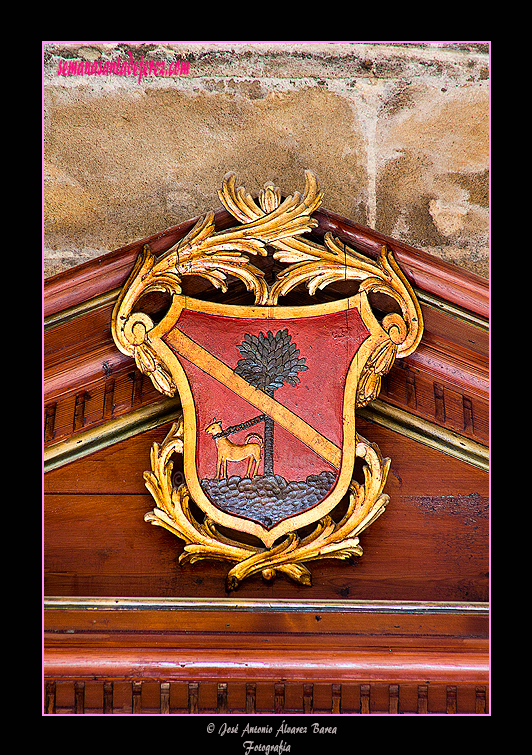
265,402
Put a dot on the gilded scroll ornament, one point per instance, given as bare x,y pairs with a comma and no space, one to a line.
268,391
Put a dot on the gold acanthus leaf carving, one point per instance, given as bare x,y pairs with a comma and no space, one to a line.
318,265
213,255
281,224
203,540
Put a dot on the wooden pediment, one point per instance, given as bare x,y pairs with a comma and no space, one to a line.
127,629
438,395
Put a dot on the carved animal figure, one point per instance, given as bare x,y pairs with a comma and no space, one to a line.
229,451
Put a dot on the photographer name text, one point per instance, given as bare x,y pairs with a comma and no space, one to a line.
250,746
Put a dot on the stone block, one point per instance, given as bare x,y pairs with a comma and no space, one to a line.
397,134
433,172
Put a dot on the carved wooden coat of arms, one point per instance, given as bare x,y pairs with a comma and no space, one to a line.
268,391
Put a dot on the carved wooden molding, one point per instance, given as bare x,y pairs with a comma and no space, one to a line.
182,698
339,666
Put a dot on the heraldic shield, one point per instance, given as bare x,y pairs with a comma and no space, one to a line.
268,391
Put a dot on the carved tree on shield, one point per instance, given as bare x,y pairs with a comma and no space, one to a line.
269,362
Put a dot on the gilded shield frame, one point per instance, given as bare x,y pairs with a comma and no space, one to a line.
377,337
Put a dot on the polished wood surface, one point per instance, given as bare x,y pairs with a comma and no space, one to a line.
270,657
432,544
307,644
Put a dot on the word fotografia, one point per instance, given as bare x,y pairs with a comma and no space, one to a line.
123,67
278,748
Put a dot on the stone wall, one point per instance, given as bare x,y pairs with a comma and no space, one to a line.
397,133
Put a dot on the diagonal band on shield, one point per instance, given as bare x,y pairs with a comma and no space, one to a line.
214,367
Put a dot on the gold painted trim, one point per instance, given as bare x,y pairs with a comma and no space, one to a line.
329,539
422,431
72,313
453,310
59,603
